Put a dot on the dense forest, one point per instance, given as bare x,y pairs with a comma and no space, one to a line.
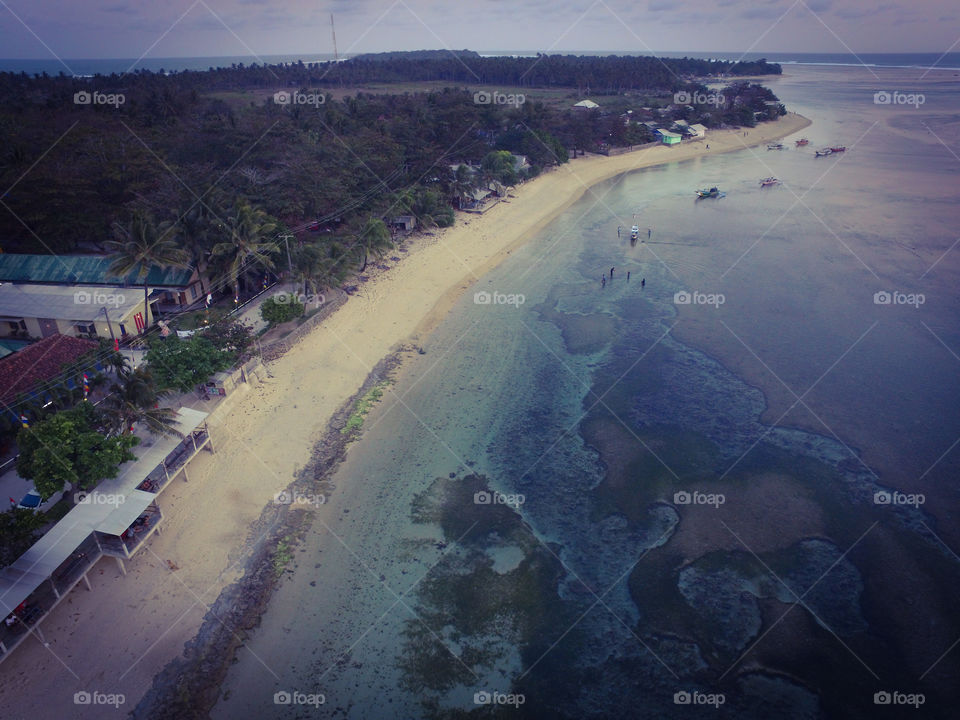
200,154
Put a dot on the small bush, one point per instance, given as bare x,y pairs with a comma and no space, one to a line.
281,309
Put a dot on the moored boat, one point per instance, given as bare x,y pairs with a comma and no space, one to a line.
711,193
841,148
775,146
634,232
802,141
768,182
823,153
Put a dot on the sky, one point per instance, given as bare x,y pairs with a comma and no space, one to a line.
209,28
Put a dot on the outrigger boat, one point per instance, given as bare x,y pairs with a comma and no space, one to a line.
767,182
635,232
802,141
775,146
711,193
842,148
823,153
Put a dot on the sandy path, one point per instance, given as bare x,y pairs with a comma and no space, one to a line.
115,639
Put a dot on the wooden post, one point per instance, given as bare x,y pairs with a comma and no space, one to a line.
86,581
122,568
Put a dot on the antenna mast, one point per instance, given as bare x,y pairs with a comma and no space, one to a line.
333,31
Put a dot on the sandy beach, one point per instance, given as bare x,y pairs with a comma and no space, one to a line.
116,638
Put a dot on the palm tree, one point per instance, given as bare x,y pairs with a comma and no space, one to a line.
316,269
461,183
193,228
134,398
140,247
245,229
375,239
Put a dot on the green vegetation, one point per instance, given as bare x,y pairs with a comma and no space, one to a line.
281,309
18,530
183,364
69,448
363,406
282,556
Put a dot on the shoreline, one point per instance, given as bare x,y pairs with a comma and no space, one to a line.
596,173
270,435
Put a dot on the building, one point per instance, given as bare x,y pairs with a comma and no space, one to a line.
520,163
669,138
40,366
44,575
173,287
39,311
403,223
698,130
586,105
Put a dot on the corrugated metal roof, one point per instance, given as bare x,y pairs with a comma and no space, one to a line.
82,270
71,303
31,569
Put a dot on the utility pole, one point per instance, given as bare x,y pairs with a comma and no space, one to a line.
109,324
286,241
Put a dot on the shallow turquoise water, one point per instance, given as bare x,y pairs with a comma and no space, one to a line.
798,596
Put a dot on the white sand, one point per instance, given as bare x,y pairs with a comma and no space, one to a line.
116,638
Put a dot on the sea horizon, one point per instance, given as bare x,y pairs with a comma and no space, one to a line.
84,67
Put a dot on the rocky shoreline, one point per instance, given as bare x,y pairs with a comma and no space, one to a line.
189,686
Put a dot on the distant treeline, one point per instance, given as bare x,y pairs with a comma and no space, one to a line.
596,74
610,73
82,156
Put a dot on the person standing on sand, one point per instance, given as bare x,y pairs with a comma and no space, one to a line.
643,282
628,276
603,281
648,233
618,230
611,273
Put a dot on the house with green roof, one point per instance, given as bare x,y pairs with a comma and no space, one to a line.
41,295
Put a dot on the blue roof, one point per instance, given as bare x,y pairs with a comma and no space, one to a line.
82,270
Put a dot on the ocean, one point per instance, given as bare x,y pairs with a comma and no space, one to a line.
728,482
107,66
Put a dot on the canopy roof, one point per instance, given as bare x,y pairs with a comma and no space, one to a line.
38,563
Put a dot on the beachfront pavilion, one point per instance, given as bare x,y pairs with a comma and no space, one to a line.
116,520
